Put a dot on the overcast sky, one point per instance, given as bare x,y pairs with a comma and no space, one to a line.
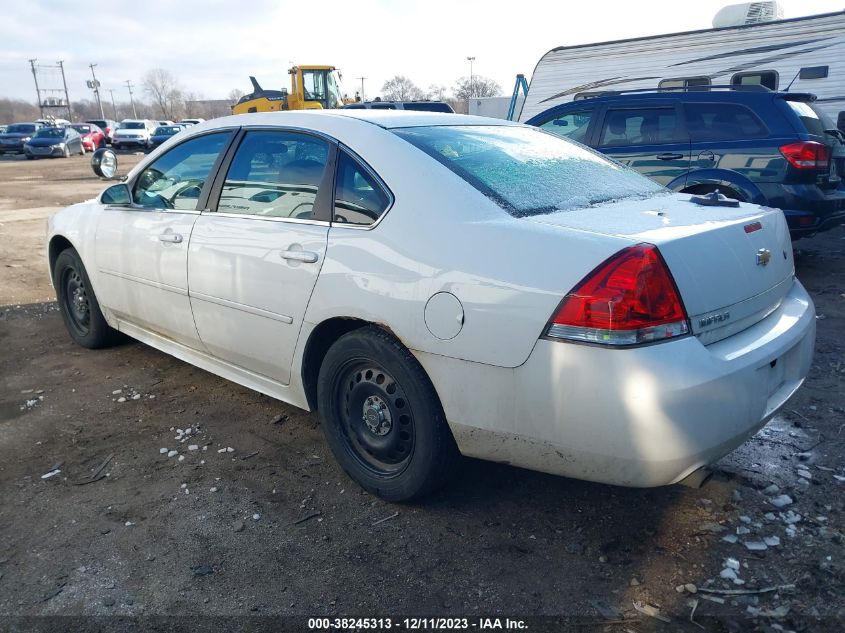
212,46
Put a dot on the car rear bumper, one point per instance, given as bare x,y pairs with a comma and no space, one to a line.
646,416
809,209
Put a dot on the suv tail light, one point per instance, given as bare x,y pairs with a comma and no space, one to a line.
807,155
629,299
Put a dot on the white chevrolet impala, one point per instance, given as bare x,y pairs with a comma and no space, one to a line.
436,285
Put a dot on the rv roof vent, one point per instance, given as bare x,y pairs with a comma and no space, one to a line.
748,13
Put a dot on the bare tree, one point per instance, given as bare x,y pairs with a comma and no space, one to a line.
17,110
437,92
400,88
234,95
478,87
164,89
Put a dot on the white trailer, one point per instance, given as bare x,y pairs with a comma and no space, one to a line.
800,55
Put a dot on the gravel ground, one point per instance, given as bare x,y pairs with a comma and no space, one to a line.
252,517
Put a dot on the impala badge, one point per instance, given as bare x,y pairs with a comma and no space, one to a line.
763,256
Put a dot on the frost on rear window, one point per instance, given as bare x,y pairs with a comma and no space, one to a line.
526,171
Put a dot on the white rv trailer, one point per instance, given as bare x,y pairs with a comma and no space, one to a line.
800,54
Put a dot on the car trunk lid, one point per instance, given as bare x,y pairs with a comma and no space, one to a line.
732,265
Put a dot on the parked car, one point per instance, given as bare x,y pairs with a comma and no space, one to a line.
417,106
133,133
164,133
164,123
54,142
108,127
92,136
550,308
16,134
191,121
771,148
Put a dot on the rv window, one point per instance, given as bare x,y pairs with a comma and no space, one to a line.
685,82
765,78
587,95
721,122
572,125
639,126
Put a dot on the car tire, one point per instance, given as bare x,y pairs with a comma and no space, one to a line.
79,307
66,152
382,417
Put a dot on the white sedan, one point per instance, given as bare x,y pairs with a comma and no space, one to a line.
436,285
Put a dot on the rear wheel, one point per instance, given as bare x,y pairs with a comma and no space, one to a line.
382,418
79,307
66,152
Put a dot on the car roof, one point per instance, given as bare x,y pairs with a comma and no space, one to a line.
387,119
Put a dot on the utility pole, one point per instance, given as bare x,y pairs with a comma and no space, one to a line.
131,99
61,66
37,89
470,60
96,86
113,107
362,88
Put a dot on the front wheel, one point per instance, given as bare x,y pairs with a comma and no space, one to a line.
382,417
79,307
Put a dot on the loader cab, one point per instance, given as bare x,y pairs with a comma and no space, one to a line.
316,87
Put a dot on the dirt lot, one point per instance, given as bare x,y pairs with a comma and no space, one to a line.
258,520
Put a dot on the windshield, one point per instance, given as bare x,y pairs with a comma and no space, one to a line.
526,171
82,129
50,132
167,130
21,128
132,125
813,119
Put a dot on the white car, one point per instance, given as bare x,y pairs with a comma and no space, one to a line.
133,133
436,284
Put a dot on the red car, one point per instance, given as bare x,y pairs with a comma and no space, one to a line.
92,136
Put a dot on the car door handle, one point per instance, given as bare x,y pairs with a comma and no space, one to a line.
309,257
173,238
669,156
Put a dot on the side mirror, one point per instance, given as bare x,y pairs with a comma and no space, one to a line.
104,163
117,195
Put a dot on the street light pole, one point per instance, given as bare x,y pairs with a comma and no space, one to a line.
113,107
96,85
362,87
131,99
470,60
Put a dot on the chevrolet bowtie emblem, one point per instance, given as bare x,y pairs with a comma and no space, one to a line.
763,256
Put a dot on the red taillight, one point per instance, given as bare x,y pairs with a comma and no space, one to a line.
807,155
631,298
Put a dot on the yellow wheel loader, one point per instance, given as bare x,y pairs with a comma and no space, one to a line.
311,88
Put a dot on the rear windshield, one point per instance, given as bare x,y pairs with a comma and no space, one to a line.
132,125
428,107
82,129
21,128
527,171
813,119
102,124
167,130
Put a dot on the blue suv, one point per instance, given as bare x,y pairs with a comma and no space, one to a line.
771,148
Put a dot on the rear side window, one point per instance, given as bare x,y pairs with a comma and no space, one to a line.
572,125
359,197
811,117
527,171
639,126
275,175
722,122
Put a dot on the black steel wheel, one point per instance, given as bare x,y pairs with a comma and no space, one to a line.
78,305
382,417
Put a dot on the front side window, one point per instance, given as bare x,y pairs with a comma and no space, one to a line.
275,175
721,122
527,171
176,180
572,125
359,198
639,126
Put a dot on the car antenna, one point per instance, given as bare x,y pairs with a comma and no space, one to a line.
793,81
